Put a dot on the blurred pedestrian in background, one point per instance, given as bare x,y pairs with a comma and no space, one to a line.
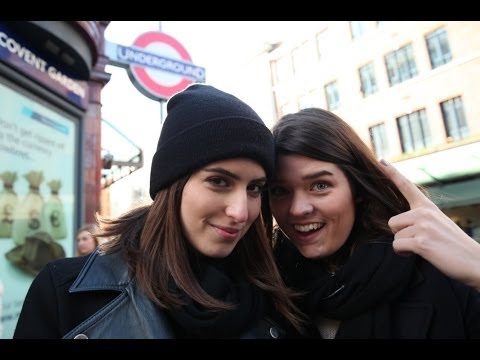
86,240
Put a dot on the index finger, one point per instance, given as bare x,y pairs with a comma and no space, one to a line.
411,192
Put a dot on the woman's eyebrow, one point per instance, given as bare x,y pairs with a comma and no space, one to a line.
232,175
317,174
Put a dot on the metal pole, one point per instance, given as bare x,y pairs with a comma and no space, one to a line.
161,113
161,101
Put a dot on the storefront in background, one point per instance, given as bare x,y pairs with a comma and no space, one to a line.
451,177
51,75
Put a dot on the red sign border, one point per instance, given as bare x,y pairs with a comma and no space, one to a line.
141,74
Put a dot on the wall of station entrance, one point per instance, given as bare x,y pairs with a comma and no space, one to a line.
51,77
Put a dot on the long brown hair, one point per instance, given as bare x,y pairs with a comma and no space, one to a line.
321,135
156,249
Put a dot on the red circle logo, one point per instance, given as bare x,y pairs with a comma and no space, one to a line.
160,84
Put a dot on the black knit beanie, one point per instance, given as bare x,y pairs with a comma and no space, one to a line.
204,125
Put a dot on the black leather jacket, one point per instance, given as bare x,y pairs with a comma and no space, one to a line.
102,302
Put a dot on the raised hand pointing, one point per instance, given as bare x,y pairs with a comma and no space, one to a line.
428,232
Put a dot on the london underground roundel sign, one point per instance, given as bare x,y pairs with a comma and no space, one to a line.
158,65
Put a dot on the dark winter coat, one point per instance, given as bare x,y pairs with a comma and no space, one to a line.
379,294
433,307
94,297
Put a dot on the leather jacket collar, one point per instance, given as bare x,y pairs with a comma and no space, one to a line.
108,272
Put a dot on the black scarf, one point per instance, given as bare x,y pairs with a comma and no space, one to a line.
224,280
361,290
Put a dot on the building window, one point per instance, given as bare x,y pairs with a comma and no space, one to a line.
322,44
309,100
438,48
283,69
288,108
414,131
303,58
378,137
454,118
358,28
367,79
331,92
400,65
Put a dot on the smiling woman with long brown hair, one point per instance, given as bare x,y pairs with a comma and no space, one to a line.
197,262
333,203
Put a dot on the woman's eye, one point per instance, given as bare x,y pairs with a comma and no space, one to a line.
256,189
320,186
217,181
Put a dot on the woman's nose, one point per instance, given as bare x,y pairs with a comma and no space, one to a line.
237,208
301,205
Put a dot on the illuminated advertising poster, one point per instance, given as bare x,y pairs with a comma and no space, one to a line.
37,196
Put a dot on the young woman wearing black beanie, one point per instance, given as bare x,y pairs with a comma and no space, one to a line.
197,262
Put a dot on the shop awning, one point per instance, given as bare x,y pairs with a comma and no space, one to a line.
462,193
451,176
443,166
